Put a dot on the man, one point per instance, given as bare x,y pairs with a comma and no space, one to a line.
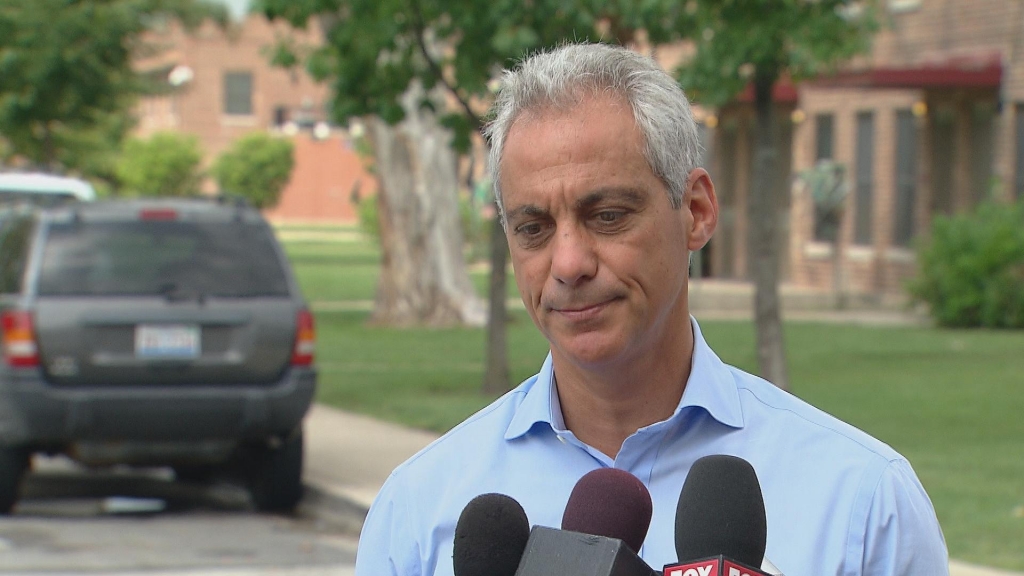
594,153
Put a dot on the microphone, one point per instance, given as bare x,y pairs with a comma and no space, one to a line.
604,524
612,503
490,537
721,526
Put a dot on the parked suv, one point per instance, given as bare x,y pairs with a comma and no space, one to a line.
153,333
43,189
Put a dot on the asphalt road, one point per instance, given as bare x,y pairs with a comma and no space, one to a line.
72,521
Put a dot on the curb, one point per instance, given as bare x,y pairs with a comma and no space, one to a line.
329,508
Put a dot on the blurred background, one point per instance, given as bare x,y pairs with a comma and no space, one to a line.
868,158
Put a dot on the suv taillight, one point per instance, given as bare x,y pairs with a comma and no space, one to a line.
19,339
305,340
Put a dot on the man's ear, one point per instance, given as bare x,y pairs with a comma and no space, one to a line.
703,205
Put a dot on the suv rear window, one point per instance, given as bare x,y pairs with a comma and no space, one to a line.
171,258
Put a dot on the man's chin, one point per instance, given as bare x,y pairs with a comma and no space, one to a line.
590,351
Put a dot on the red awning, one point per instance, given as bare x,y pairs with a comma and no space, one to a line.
978,71
783,92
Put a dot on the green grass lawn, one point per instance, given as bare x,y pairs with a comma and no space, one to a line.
948,400
347,270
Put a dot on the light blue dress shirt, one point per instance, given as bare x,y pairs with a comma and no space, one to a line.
838,502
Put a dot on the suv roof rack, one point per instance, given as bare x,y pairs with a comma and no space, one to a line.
229,198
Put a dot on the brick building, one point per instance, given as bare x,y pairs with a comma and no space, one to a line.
931,122
222,86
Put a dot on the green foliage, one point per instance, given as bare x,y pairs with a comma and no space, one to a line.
256,167
166,164
68,83
738,41
971,271
369,219
376,48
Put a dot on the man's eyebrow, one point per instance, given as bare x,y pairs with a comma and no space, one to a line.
633,196
527,210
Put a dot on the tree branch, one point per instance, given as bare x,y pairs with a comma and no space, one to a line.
436,68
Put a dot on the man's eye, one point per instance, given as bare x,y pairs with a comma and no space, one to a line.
609,216
530,229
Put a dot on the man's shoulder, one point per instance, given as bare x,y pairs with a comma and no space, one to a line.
467,442
772,408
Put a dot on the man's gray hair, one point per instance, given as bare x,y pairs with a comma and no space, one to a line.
562,77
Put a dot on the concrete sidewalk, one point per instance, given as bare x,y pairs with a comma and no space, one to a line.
349,456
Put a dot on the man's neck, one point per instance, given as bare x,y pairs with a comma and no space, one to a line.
605,406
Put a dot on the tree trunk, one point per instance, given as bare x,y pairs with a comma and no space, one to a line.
838,277
49,149
763,240
496,375
423,280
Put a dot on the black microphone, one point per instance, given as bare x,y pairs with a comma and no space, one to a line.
721,527
490,537
604,524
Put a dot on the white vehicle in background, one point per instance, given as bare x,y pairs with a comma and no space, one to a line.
43,189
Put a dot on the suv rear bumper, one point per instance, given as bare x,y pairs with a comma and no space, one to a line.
38,414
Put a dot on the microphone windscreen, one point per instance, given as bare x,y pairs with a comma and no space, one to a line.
612,503
721,511
490,537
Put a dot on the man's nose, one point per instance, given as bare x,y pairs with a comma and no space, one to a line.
572,257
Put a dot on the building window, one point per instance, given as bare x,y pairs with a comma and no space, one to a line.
906,177
238,93
943,158
825,223
982,130
823,137
1019,176
864,178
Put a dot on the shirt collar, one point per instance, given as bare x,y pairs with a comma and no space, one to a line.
710,387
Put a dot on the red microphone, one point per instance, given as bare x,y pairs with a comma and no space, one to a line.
604,524
612,503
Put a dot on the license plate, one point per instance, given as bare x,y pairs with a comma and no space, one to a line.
166,341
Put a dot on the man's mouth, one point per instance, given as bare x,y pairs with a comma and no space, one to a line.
582,311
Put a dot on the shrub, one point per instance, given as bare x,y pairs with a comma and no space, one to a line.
257,167
166,164
971,271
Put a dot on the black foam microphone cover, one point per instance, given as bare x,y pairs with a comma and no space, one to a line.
612,503
490,537
721,512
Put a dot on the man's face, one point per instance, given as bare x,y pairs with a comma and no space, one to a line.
600,256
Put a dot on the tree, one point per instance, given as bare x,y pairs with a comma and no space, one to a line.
401,60
68,83
257,167
166,164
757,42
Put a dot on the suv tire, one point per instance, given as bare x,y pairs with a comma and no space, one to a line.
13,465
275,474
